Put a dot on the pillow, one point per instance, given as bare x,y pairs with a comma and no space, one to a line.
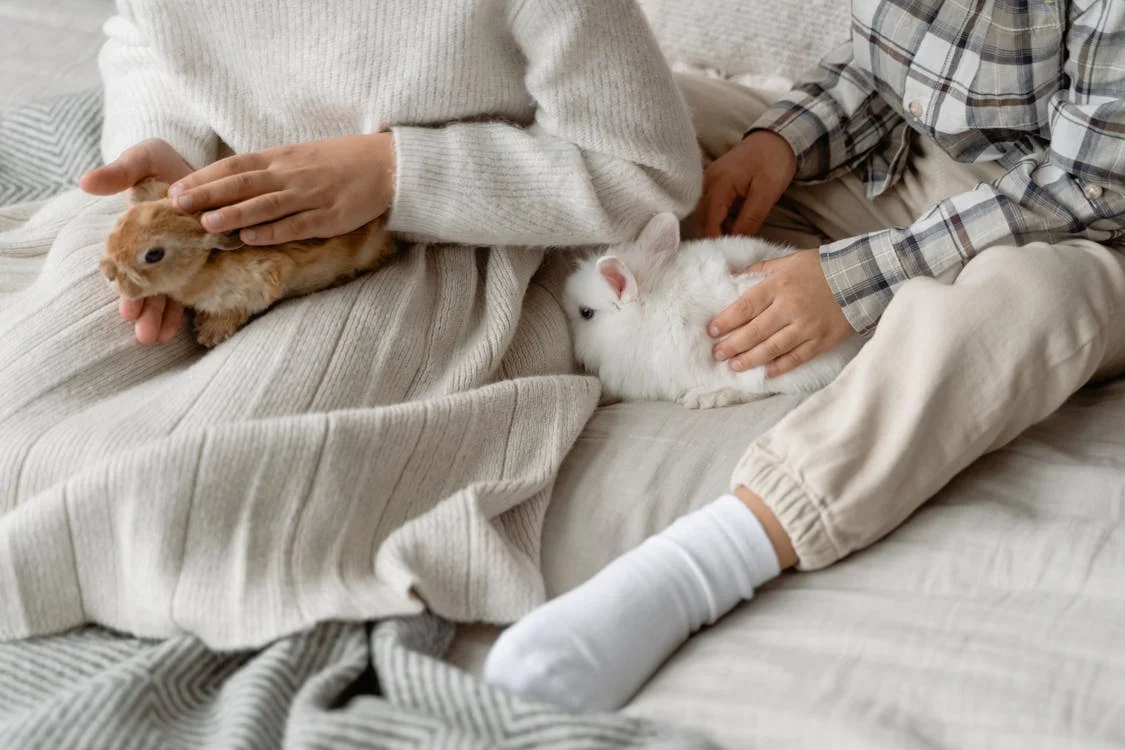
765,38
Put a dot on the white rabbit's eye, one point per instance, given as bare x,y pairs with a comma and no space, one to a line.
586,313
154,255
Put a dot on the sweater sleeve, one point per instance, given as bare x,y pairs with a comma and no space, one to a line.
611,143
140,99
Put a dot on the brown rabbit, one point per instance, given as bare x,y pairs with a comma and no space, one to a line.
155,249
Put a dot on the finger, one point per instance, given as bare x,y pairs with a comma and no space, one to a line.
130,309
793,359
761,268
781,343
170,326
750,305
151,158
301,226
261,209
133,165
108,180
228,167
227,191
717,200
147,327
755,209
748,337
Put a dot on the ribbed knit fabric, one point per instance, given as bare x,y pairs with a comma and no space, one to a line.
343,455
362,451
569,127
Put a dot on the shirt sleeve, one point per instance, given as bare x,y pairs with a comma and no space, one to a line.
1072,185
140,100
834,120
611,143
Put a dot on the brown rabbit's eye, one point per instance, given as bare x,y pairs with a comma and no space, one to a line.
586,313
154,255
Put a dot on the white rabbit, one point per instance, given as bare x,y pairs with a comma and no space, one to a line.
639,314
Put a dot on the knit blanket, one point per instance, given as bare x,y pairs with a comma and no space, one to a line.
363,452
349,456
345,687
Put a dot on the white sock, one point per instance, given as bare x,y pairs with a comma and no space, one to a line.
592,648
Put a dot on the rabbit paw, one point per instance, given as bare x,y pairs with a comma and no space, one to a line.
212,329
710,398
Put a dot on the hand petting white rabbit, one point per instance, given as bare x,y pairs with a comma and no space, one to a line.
639,314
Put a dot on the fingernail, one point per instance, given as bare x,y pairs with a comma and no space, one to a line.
721,356
250,235
211,221
184,202
175,190
714,330
736,366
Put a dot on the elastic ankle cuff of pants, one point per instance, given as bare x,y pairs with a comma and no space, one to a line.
798,510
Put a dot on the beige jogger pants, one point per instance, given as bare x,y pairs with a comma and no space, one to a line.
952,372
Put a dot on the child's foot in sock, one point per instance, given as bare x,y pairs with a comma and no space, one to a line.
592,648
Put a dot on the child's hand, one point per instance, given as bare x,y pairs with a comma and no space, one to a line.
319,189
756,172
784,321
156,319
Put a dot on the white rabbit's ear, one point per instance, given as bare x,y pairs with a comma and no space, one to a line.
661,236
619,277
148,189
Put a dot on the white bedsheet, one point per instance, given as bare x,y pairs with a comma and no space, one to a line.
995,618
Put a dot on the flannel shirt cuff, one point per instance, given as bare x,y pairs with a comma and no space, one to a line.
863,273
800,127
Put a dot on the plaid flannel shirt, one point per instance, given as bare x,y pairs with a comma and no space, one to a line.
1036,85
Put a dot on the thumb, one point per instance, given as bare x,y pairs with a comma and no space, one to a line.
108,180
761,268
124,172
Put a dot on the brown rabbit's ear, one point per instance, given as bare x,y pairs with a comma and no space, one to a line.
223,241
148,189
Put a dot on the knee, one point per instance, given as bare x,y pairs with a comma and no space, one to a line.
1038,300
1047,284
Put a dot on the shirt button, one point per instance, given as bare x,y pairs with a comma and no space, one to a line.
915,108
1093,192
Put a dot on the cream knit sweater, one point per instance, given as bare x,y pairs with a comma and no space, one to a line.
526,122
364,451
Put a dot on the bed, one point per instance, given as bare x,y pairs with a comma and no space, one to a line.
992,619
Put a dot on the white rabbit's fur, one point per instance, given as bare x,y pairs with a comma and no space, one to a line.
652,300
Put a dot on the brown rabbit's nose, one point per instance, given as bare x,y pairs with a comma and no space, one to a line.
109,269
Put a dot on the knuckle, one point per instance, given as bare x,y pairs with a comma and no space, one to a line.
773,350
244,181
274,203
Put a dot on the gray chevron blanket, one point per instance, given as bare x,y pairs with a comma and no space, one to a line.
331,685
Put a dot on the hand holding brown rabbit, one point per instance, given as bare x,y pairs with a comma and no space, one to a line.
156,319
321,189
317,189
156,250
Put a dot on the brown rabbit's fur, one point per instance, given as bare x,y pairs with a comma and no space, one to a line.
224,281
